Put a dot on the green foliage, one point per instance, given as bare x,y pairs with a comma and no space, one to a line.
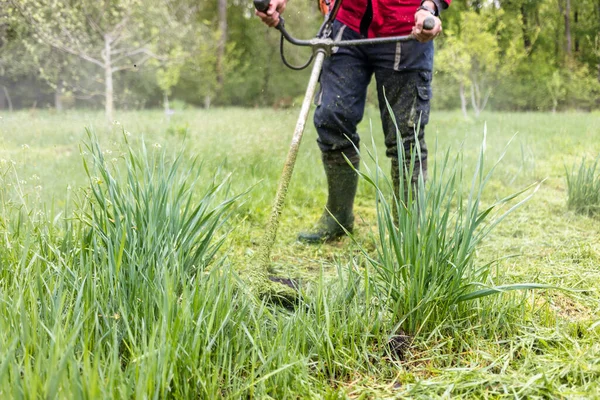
118,302
473,56
168,74
425,265
501,54
109,36
582,87
583,186
528,39
196,333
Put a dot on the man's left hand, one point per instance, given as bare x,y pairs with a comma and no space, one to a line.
421,34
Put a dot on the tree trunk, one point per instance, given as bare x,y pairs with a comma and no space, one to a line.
557,44
166,104
222,42
476,108
463,100
168,111
576,22
526,38
567,14
267,73
598,9
561,10
485,100
58,104
8,100
108,80
207,101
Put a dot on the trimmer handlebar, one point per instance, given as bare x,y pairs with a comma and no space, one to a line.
323,43
262,5
321,46
429,23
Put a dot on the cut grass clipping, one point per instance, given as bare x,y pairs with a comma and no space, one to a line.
583,186
424,269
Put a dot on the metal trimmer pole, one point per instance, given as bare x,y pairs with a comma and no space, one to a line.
264,252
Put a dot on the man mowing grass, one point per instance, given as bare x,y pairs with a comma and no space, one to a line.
403,75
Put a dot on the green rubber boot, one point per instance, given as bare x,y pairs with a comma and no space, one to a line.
342,181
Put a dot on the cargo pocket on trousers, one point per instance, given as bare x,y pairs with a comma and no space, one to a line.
422,106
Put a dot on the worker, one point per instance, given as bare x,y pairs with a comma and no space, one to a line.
403,72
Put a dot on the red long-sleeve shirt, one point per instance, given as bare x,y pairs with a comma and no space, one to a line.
377,18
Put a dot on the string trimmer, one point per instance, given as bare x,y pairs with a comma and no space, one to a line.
321,46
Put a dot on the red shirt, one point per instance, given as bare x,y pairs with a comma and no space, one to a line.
380,18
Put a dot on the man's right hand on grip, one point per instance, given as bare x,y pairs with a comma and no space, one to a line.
270,11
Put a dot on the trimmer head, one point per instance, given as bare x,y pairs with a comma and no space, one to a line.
284,292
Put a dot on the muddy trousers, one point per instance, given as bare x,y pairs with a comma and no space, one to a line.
403,79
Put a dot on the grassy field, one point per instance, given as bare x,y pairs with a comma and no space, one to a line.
62,338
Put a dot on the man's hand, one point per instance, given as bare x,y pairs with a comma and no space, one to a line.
271,16
421,34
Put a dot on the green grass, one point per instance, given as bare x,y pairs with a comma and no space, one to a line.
93,306
425,266
583,185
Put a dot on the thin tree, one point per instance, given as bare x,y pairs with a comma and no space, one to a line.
565,10
112,35
222,41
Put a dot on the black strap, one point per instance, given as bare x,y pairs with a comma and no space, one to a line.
367,19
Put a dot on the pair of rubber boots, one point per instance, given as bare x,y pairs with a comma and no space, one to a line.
342,182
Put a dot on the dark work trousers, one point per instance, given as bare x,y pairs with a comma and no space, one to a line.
403,76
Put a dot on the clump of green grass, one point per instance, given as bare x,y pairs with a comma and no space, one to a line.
127,299
70,329
144,214
583,188
425,268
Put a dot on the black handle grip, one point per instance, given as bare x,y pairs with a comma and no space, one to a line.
428,24
262,5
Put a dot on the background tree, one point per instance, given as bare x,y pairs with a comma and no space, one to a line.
494,54
15,63
473,56
113,35
221,41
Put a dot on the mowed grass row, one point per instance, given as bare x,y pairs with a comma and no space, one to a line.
194,331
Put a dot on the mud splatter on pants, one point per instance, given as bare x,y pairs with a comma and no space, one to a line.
403,77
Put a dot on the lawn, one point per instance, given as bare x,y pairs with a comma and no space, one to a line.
90,307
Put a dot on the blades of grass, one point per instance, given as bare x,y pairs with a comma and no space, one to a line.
504,288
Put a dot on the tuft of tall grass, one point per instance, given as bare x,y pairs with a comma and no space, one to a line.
118,302
114,302
425,269
126,297
146,221
583,187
